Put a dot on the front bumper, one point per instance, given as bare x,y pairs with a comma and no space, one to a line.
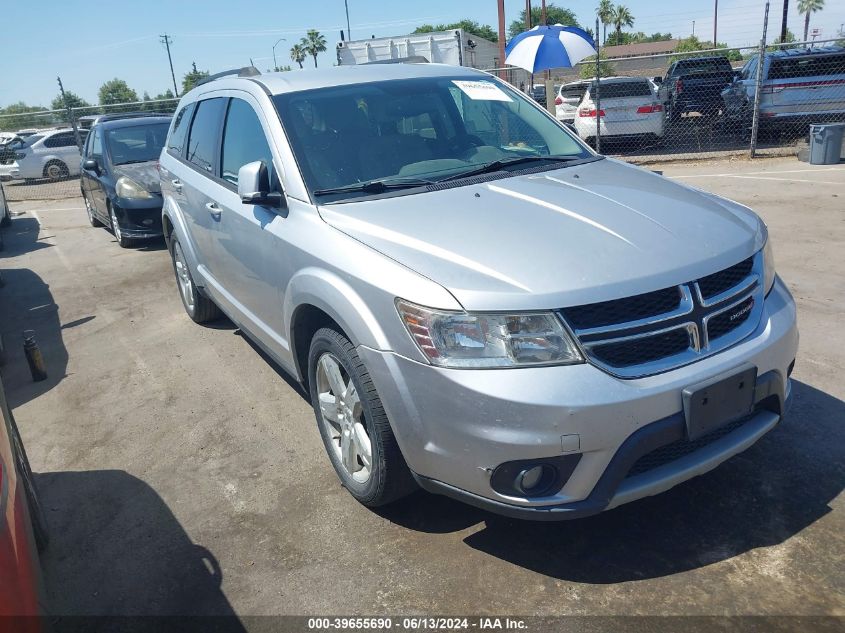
139,219
456,426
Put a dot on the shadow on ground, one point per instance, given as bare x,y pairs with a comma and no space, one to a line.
117,550
26,303
759,498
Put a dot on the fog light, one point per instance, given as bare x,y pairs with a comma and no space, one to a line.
147,222
528,479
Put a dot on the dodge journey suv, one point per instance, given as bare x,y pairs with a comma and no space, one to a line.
476,302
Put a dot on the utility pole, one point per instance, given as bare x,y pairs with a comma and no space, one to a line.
348,30
693,28
543,4
783,28
715,22
755,121
71,119
166,39
275,65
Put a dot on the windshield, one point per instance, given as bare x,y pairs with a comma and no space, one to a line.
137,143
422,129
623,89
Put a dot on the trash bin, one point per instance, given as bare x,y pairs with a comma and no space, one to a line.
826,143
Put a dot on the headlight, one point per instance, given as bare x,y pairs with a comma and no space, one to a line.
768,266
463,339
128,188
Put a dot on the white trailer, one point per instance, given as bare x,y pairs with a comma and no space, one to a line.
457,47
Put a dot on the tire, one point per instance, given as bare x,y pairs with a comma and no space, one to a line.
92,219
122,240
386,478
36,514
200,308
56,170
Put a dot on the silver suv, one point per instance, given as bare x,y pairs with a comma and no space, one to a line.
476,302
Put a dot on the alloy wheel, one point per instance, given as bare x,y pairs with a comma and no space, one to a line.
342,416
183,276
115,226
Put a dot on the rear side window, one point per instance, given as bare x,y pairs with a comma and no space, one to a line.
176,140
623,89
205,133
65,139
244,141
810,66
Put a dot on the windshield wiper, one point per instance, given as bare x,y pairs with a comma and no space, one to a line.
497,165
375,186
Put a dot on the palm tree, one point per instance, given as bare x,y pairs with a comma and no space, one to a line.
621,17
314,43
605,15
808,7
298,53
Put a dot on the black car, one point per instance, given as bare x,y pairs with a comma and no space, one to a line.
120,176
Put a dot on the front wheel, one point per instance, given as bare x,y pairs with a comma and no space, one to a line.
353,424
122,240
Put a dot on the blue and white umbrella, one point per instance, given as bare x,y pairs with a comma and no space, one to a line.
545,47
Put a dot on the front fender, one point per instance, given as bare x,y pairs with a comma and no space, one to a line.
334,296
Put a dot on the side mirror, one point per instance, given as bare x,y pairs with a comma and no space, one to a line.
254,186
658,80
737,74
89,164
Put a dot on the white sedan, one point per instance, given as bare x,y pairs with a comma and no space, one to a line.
629,108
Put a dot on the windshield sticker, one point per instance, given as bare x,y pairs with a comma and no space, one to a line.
482,91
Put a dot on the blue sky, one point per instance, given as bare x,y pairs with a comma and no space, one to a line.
88,43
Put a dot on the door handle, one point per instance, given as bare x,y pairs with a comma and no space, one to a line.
213,209
177,185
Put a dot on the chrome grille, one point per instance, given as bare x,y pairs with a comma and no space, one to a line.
658,331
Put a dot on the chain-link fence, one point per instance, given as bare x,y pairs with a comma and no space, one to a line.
746,100
40,150
698,103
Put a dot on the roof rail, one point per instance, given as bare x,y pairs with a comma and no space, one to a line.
246,71
413,59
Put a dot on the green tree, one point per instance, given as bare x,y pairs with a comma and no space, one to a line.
588,68
470,26
554,15
279,69
116,91
692,44
167,94
25,116
314,43
790,37
298,53
808,7
605,15
621,17
73,100
192,78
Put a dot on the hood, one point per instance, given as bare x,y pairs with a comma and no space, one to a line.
586,233
145,174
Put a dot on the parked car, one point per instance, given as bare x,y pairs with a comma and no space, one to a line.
9,148
568,99
695,84
120,180
630,108
475,301
53,155
799,86
5,214
23,531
